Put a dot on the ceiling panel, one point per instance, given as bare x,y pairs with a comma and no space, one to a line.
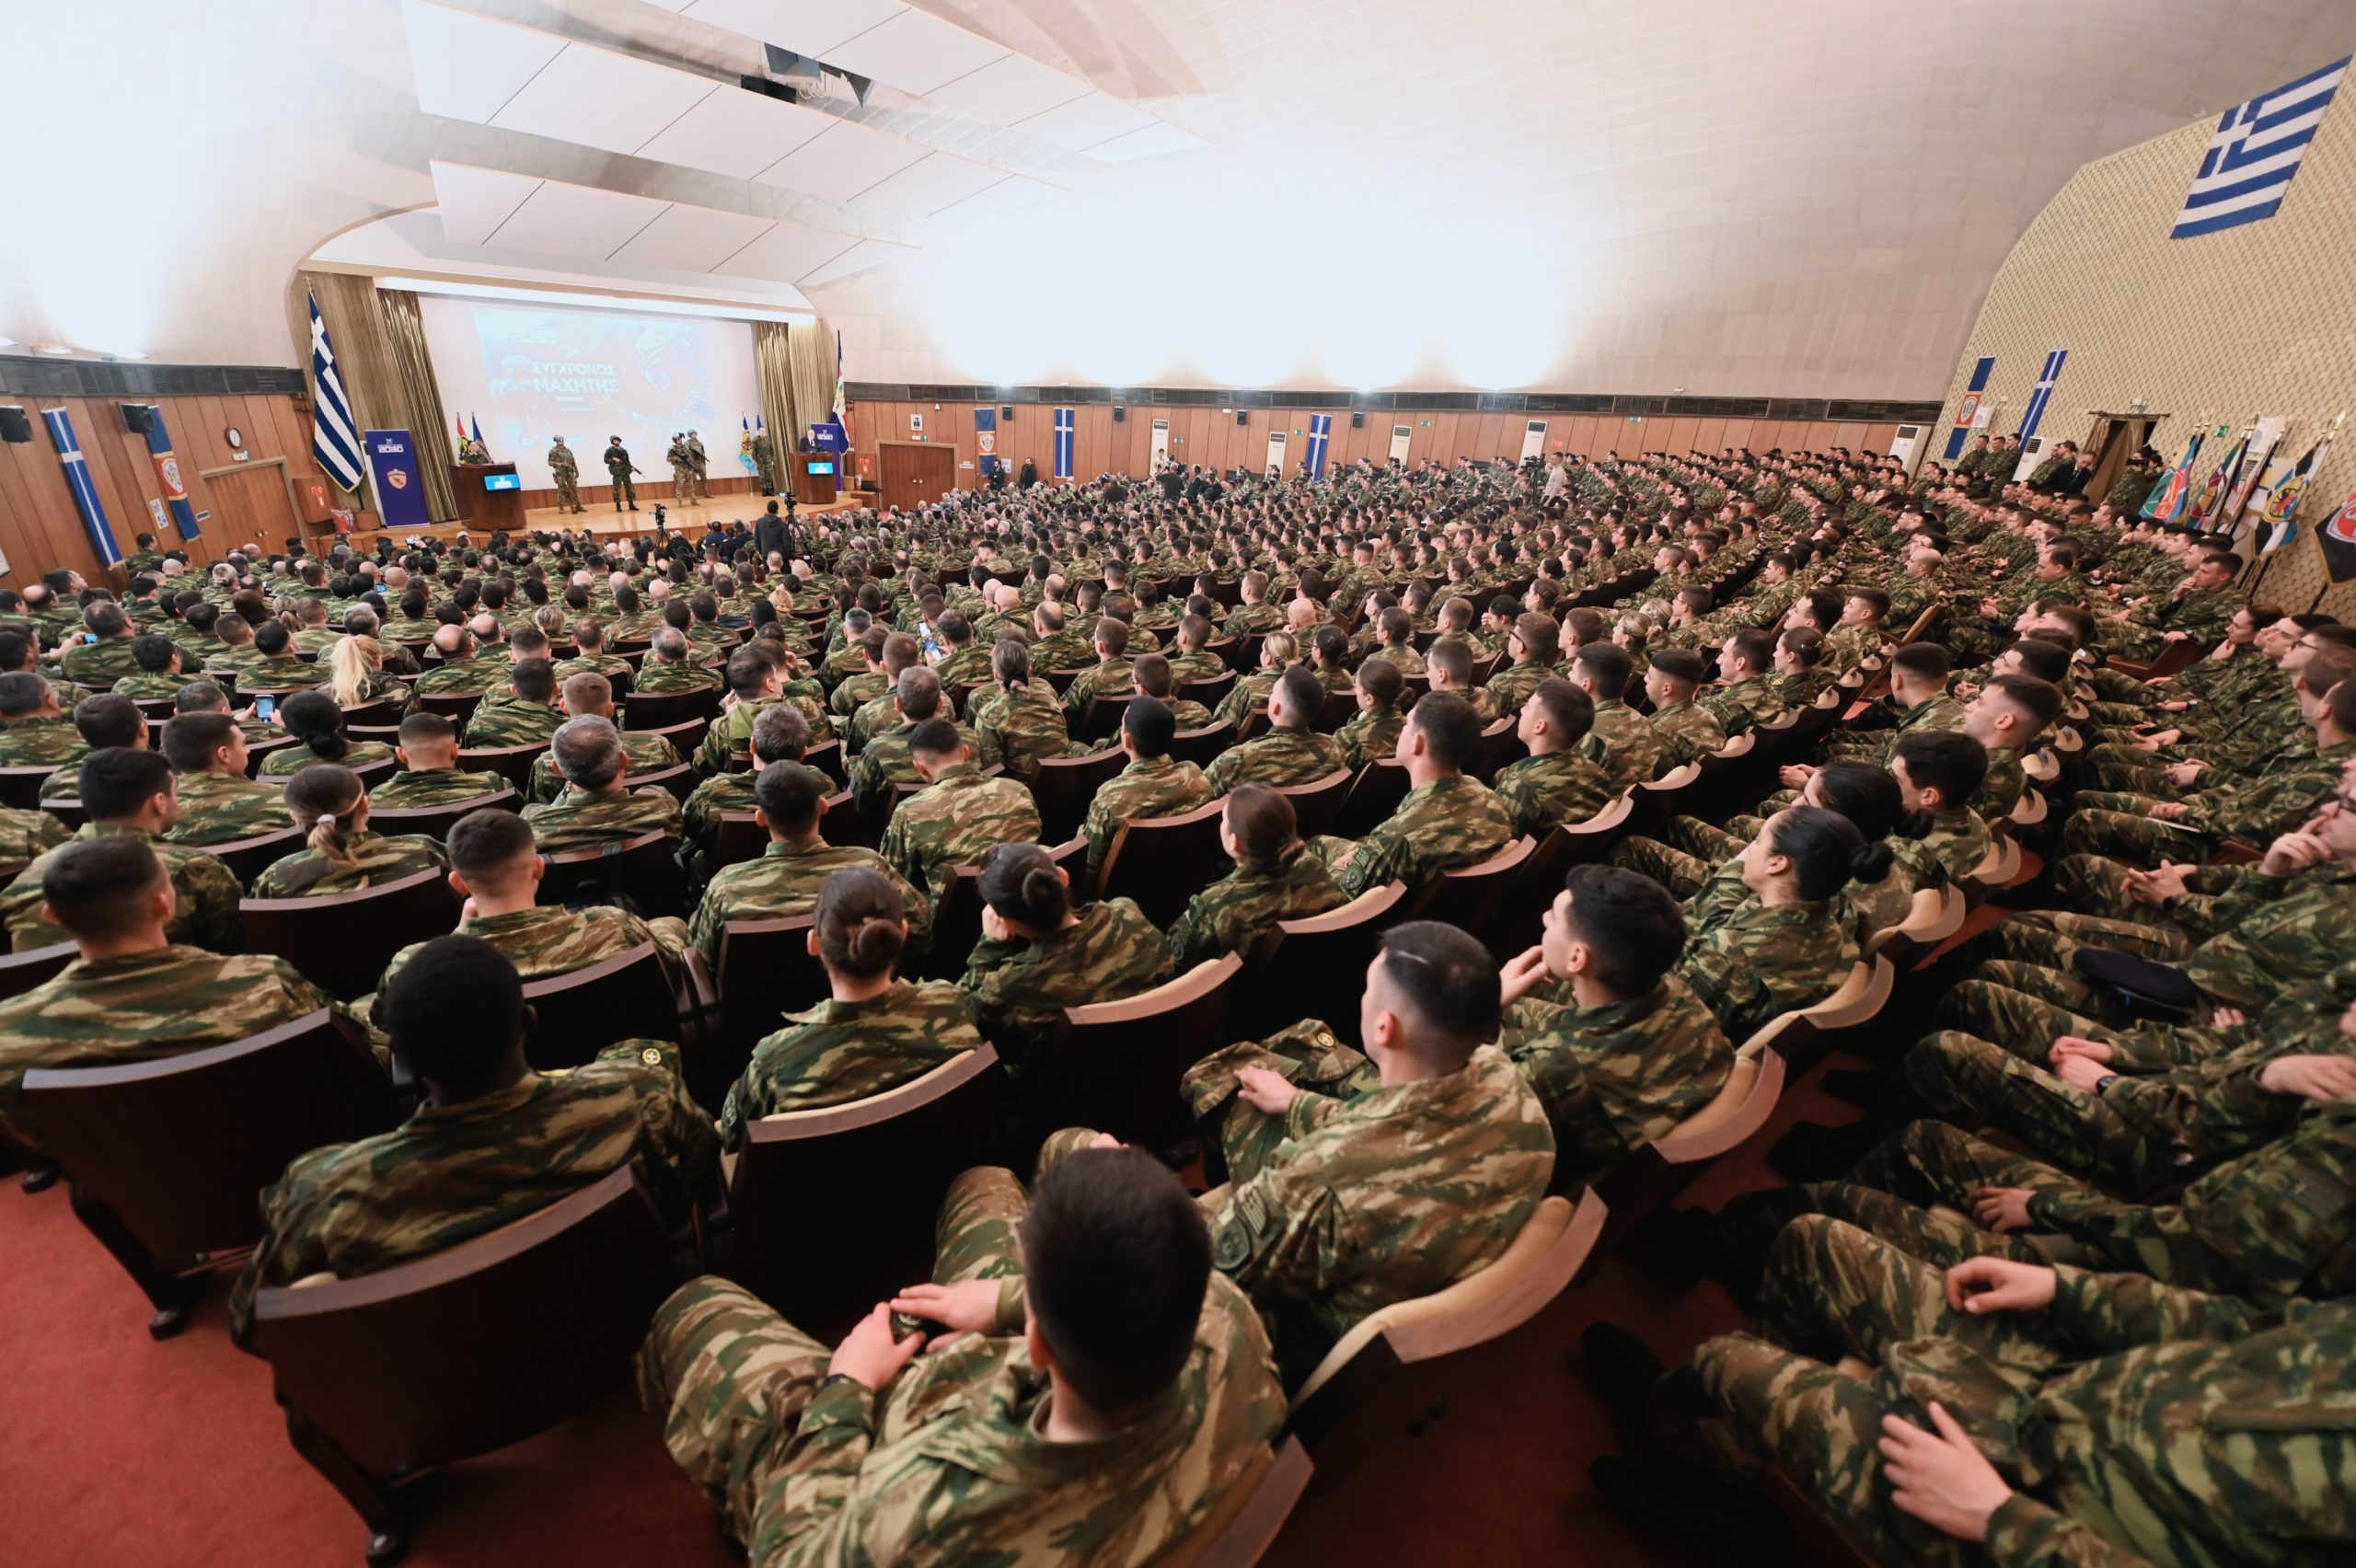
1148,142
807,27
858,259
692,239
1084,122
475,201
925,188
466,66
786,253
733,132
596,99
915,52
575,220
843,161
1011,87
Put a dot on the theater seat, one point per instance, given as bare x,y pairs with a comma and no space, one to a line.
1248,1519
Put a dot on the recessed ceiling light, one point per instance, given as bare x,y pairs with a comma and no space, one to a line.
52,349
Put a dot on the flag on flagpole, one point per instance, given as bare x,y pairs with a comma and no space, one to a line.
2280,519
841,402
335,436
2268,435
77,481
1321,430
1063,442
2212,493
2254,152
2169,497
744,445
2336,537
478,430
461,420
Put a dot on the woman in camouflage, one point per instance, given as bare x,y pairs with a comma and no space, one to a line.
1275,879
341,854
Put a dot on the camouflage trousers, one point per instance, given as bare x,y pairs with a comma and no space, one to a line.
731,1377
1954,1074
1832,1291
1683,859
1901,1192
2129,770
1247,1141
2114,826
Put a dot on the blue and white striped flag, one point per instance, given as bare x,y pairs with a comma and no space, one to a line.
2033,414
1063,442
335,437
1320,430
2255,152
77,479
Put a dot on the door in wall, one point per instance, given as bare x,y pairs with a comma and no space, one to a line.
914,473
250,506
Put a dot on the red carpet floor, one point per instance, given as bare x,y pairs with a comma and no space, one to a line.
118,1452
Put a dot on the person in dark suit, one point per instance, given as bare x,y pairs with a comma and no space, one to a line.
2073,479
772,535
1030,475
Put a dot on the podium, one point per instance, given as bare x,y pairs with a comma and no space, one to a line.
483,501
817,475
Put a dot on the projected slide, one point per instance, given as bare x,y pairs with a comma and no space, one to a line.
531,373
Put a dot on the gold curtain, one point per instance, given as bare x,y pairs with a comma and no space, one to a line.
772,366
380,348
812,354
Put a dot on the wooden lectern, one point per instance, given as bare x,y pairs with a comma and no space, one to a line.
816,476
489,495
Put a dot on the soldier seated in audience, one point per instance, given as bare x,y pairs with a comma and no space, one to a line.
1041,954
496,869
1744,697
34,730
1446,820
1151,786
132,994
103,657
2008,716
158,672
1687,730
1363,1179
1111,675
877,1032
340,855
131,793
494,1141
101,722
598,806
1374,732
780,734
218,803
1635,1052
1448,667
1787,945
463,671
317,724
1020,714
1154,680
1279,650
788,799
1620,740
670,667
1100,1394
592,697
958,817
754,685
527,715
429,774
1291,752
1938,771
884,766
1275,879
1554,785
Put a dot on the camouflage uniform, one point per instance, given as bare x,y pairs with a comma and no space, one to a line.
26,835
1020,988
947,1466
1511,687
379,860
1149,787
2136,1421
956,821
733,732
33,743
141,1007
2005,783
207,892
1248,697
1941,713
1614,1077
1024,724
643,751
1748,702
450,1173
1754,961
1625,746
1186,712
1370,736
887,763
1956,843
1279,759
1109,677
510,721
1450,822
580,819
548,940
786,881
410,789
1547,792
154,685
1235,912
2112,824
657,679
218,809
1687,730
840,1052
1362,1195
474,676
290,760
100,664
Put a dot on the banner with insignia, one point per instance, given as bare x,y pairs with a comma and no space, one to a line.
2336,539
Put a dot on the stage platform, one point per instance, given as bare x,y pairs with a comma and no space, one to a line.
606,522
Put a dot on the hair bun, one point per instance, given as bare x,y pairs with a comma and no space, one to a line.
1872,861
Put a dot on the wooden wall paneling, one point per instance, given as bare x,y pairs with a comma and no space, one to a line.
1737,434
1709,436
1881,437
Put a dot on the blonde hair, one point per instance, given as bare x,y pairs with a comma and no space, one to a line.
349,664
324,799
1282,648
554,619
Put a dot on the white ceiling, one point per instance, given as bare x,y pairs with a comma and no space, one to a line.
1806,198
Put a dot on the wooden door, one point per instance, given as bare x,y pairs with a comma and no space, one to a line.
250,506
914,473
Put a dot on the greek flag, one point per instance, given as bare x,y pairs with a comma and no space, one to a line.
1063,442
2035,414
2255,152
1320,430
77,480
335,441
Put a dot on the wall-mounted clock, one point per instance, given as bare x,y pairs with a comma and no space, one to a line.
234,436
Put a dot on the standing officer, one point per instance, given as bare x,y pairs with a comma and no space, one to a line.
619,465
699,465
567,470
765,461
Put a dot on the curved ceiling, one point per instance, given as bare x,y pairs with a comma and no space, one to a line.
1802,199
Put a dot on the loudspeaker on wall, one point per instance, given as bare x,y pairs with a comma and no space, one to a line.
14,425
138,418
1242,418
1006,410
1358,419
1119,413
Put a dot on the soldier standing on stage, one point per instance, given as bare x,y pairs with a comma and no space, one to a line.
619,465
567,469
765,461
700,465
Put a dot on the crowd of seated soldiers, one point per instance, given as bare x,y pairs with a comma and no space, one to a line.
1524,647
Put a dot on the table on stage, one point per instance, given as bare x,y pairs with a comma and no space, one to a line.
815,475
489,495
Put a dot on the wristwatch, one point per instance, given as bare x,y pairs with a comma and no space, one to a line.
2103,1082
